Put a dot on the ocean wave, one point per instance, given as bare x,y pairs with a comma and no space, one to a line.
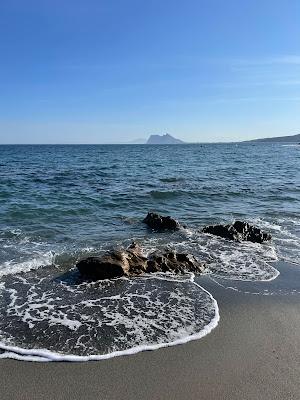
13,267
61,322
286,236
172,179
240,261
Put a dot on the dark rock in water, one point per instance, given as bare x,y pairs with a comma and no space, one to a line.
251,233
239,231
174,262
105,267
114,264
160,223
225,231
131,262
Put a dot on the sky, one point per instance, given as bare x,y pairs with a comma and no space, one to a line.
108,71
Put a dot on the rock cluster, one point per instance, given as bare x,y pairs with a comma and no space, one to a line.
131,262
239,231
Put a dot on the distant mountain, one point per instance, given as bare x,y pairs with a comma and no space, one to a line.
163,139
280,139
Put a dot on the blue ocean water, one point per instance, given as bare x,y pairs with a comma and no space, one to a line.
60,203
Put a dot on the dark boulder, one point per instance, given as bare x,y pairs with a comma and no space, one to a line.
106,267
239,231
160,223
114,264
225,231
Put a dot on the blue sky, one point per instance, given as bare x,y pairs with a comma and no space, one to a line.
112,71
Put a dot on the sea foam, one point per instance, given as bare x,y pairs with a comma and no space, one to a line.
94,321
227,259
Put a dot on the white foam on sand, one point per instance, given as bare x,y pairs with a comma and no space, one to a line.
179,324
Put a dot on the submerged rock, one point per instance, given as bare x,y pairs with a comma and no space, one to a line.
239,231
131,262
161,223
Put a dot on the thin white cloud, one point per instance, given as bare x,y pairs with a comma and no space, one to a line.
276,60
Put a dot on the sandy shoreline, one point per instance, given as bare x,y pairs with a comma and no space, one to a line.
254,353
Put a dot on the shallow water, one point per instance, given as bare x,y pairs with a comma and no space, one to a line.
66,321
60,203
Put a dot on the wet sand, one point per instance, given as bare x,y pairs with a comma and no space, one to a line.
254,353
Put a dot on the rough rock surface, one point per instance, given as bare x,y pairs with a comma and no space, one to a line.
131,262
174,262
114,264
238,231
161,223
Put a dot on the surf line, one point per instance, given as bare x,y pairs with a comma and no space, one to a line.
44,355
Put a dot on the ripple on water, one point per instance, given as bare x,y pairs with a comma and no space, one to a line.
165,194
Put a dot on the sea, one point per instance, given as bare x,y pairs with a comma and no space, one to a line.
61,203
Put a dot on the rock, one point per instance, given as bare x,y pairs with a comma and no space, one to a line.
160,223
178,263
131,262
137,261
251,233
239,231
114,264
105,267
225,231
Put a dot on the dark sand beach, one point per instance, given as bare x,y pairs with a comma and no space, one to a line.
253,353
